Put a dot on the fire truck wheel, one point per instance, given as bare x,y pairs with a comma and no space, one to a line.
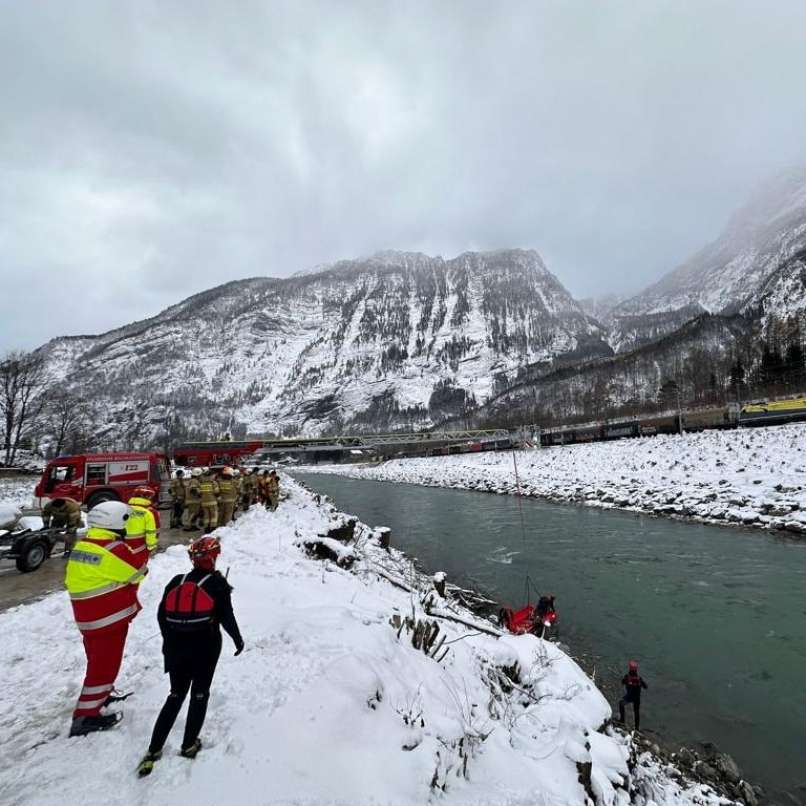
100,497
33,556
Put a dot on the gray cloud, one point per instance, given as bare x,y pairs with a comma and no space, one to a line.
151,150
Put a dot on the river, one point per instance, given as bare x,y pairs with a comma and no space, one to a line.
715,616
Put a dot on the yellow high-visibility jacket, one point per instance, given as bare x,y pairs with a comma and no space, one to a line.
102,578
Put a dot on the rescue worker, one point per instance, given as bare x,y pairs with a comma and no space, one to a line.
102,578
633,683
247,485
208,490
142,526
190,516
545,605
178,493
63,513
255,485
262,487
192,608
237,480
273,490
227,496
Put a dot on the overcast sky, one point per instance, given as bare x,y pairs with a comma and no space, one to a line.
152,150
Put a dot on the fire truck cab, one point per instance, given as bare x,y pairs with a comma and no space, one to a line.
93,478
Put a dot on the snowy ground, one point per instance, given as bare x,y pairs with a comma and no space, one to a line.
327,705
754,477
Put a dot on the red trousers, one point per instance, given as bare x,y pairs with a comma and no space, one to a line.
104,655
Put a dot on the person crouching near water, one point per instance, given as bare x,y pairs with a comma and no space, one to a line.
192,608
633,683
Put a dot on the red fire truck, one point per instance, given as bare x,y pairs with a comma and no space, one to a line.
93,478
214,454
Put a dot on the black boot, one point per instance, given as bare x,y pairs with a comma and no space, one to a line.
83,725
146,766
192,751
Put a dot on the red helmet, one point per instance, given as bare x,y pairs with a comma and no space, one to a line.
204,552
633,665
143,492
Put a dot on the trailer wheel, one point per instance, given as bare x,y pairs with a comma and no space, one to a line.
33,556
101,497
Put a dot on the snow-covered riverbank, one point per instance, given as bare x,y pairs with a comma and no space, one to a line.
330,703
751,477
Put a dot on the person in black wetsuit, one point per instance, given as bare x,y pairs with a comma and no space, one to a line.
192,608
633,683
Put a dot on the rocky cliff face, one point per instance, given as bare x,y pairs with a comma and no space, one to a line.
728,274
396,340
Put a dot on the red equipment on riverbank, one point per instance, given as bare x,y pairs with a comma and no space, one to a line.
536,619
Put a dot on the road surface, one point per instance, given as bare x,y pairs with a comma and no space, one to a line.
17,588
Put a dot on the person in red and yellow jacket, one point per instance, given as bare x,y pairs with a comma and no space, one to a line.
102,578
142,526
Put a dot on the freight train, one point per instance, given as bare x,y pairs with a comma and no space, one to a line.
731,416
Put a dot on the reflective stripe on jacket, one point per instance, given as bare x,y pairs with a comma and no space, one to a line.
227,490
102,578
208,490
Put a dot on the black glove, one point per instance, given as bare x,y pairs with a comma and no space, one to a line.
238,648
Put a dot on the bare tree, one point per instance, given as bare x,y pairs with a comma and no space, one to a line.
22,398
68,419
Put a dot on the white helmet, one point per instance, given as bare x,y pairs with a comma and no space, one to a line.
236,472
197,471
110,515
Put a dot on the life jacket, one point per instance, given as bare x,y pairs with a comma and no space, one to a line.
188,607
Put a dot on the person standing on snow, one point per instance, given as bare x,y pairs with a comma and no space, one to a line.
633,683
247,485
142,526
273,490
102,578
192,608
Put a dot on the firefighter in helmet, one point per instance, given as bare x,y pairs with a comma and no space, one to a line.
178,493
273,490
208,490
227,496
190,516
143,524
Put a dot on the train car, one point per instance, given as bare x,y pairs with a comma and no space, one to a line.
621,430
775,413
659,424
702,419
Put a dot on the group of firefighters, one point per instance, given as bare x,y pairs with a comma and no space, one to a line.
206,498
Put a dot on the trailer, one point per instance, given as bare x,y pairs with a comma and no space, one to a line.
29,548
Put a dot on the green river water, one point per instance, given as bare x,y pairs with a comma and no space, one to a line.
715,616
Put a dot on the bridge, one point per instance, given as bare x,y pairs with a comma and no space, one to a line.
353,447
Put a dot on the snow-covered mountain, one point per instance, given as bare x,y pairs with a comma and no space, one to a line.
728,274
398,339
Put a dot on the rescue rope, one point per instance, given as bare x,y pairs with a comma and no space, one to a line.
519,496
